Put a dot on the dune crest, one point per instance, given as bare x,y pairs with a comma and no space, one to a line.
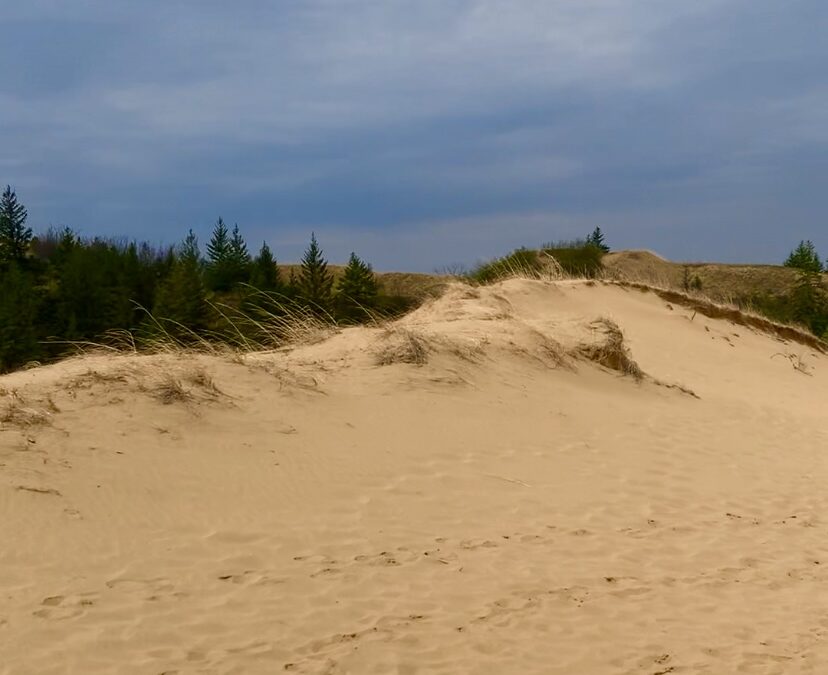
530,477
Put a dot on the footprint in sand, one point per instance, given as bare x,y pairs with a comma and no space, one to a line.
59,607
251,577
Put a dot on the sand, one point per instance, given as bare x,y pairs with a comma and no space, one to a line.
497,504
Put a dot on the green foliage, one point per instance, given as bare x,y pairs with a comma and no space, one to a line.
597,239
66,289
228,262
809,302
690,282
181,302
315,282
394,305
88,288
18,311
264,274
805,257
576,257
583,261
356,290
522,261
565,243
239,257
218,248
14,235
58,289
806,304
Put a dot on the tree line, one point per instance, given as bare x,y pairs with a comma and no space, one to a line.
59,289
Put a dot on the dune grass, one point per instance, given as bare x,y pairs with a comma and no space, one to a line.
267,322
649,273
20,413
611,351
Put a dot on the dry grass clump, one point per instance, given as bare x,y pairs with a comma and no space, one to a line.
161,380
403,345
182,387
170,390
553,351
611,352
288,378
92,377
18,413
200,378
545,349
406,345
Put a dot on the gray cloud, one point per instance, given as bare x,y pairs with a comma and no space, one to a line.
427,131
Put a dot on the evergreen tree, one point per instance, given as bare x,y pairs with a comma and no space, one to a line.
218,258
356,290
809,302
181,297
315,282
228,261
239,258
18,311
218,248
597,239
804,257
14,235
67,242
83,300
264,274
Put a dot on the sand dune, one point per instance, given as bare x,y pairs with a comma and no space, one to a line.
477,488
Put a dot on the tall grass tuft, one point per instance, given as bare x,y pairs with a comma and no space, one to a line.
266,321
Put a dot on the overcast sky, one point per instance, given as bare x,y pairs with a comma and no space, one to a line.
425,132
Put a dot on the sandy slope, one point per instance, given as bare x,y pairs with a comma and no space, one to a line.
502,508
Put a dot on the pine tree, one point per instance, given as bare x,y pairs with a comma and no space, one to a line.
18,312
597,239
804,257
809,302
181,297
238,257
315,282
264,274
356,290
67,243
14,235
218,258
228,262
218,248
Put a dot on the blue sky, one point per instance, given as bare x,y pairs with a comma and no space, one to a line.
423,133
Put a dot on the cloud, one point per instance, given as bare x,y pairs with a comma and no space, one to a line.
406,120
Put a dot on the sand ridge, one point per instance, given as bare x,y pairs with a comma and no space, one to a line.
462,491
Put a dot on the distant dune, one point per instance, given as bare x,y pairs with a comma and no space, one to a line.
720,281
529,477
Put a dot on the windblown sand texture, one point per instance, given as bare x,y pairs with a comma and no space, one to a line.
467,490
